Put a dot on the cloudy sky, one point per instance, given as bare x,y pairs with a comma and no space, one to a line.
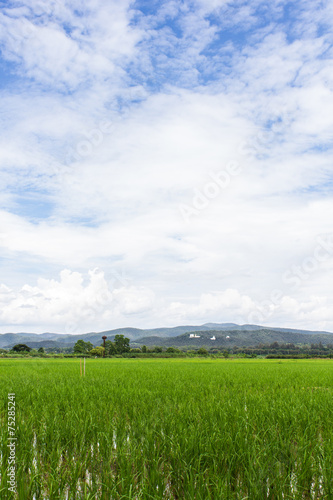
165,162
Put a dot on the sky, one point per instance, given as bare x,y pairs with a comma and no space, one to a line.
165,163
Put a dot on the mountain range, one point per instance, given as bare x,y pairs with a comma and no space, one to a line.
208,335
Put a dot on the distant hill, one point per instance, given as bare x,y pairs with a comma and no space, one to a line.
8,340
238,338
240,335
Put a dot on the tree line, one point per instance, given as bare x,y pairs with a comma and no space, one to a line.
120,346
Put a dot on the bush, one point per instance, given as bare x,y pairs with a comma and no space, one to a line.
97,351
172,349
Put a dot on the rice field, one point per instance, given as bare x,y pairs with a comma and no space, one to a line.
169,428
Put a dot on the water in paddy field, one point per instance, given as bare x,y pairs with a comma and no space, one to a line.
315,490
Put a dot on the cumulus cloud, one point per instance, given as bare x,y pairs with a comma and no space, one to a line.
78,303
73,303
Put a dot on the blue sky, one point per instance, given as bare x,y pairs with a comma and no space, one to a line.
165,163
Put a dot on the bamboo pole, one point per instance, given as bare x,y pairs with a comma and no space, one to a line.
81,367
84,366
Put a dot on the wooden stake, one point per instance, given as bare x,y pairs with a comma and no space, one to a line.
81,367
84,366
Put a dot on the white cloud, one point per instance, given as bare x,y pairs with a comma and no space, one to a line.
215,305
38,38
73,303
182,105
77,303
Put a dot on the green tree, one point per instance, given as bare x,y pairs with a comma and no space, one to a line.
202,351
82,347
97,351
144,348
21,348
110,348
158,349
41,350
122,344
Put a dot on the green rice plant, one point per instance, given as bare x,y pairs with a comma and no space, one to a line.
169,428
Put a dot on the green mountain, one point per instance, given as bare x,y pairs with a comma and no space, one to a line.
238,338
239,335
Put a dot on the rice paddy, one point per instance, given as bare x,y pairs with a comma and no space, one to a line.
169,428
